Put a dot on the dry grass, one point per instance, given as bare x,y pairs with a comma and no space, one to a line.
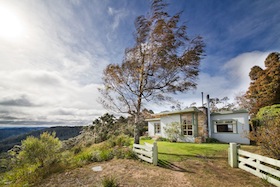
126,172
180,165
197,172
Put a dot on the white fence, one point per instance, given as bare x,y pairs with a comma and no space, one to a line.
261,166
147,152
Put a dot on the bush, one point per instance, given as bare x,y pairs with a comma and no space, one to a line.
121,140
77,150
84,157
268,132
109,182
173,131
43,151
106,154
124,153
117,147
212,140
163,139
37,158
146,138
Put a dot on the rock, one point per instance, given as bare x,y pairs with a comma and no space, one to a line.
97,168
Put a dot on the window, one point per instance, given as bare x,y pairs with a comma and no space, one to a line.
228,126
157,128
187,126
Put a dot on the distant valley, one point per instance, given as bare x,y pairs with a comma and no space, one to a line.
13,136
6,132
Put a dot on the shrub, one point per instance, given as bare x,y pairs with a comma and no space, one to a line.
102,155
85,157
106,154
122,153
77,150
163,139
37,158
173,131
96,156
212,140
146,138
121,140
109,182
43,151
268,132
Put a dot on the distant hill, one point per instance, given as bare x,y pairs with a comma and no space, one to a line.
63,133
6,132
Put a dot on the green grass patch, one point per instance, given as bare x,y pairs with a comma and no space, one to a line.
171,152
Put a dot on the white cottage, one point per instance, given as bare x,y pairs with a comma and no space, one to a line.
230,126
225,126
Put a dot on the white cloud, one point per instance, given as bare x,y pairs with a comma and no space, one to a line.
52,74
230,79
239,67
118,16
42,93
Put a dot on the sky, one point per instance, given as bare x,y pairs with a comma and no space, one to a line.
53,53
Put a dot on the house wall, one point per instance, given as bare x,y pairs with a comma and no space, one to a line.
200,129
242,128
167,120
175,118
151,128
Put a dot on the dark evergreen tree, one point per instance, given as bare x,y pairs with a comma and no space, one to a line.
264,88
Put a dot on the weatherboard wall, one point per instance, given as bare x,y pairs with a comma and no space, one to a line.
242,130
168,120
151,128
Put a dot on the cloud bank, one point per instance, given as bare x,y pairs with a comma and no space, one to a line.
50,73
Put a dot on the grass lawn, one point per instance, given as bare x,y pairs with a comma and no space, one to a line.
173,152
204,164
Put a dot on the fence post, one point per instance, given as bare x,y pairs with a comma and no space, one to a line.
155,153
232,156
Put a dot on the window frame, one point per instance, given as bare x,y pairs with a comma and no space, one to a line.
186,123
157,128
225,122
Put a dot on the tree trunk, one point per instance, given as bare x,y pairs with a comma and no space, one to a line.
136,134
139,100
136,130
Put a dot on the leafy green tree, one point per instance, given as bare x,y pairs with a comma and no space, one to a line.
267,130
104,127
163,60
108,126
264,88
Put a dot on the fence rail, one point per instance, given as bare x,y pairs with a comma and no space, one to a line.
147,152
261,166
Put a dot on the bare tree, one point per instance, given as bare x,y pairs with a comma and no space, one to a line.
163,60
242,101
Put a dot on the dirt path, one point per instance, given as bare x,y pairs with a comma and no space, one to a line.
131,173
127,173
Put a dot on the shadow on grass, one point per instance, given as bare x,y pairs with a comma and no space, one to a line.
194,156
171,166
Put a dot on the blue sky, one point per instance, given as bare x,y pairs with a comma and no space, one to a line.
52,53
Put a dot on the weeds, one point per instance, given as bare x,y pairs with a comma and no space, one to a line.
109,181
